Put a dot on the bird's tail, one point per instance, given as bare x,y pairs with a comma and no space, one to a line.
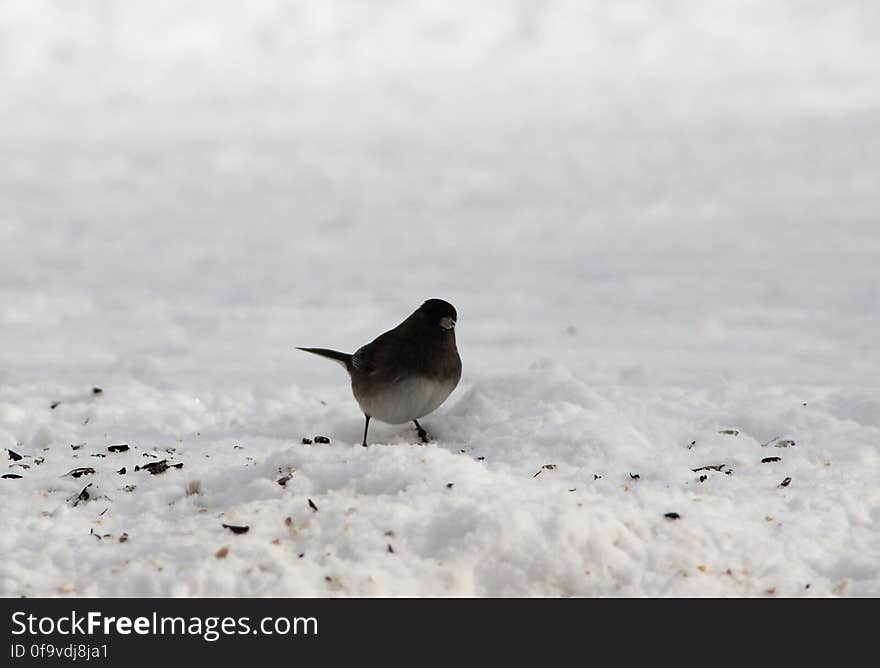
340,358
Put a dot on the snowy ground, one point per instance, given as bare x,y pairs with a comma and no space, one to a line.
658,222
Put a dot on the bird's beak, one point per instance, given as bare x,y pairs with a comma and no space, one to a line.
447,323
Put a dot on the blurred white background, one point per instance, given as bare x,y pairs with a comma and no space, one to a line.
646,192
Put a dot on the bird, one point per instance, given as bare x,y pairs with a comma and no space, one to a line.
407,372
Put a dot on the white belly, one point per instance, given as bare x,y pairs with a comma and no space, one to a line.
406,400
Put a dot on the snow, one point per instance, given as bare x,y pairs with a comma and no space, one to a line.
657,224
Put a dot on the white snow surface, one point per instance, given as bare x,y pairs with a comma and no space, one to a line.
658,223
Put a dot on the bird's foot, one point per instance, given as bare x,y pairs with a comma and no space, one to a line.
423,435
366,429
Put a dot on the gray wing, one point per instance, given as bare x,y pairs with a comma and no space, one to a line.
384,358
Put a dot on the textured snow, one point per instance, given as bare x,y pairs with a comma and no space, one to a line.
658,223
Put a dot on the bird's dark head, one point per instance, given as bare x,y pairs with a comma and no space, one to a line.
440,313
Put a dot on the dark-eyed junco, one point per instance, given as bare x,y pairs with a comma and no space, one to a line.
407,372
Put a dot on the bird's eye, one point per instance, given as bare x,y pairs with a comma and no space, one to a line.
447,323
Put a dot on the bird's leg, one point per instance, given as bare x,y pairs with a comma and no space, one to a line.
422,433
366,428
